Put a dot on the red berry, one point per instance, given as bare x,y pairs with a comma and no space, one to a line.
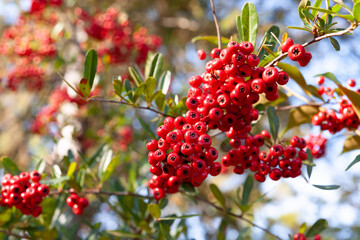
265,134
296,52
283,78
270,75
305,59
351,82
246,47
83,203
35,176
320,80
201,54
286,45
215,53
275,174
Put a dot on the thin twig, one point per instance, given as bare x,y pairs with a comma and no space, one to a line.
101,192
295,94
289,107
128,104
236,216
340,33
9,233
216,24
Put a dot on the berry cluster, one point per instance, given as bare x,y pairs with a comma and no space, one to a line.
47,114
78,204
40,5
26,196
278,162
115,38
316,144
29,75
300,236
296,52
182,154
329,120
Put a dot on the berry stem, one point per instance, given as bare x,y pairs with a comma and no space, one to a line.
239,216
101,192
352,27
128,104
9,233
216,24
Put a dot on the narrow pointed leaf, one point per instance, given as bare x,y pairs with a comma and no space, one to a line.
273,121
327,187
239,28
269,41
71,169
317,4
117,84
300,116
90,67
335,43
135,76
164,82
248,185
10,166
250,22
356,160
316,228
110,168
218,195
310,159
343,5
211,39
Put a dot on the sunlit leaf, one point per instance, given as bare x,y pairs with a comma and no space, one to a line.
249,21
135,76
273,121
269,41
301,115
211,39
356,11
154,210
351,143
84,87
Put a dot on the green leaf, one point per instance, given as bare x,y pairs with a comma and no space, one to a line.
343,5
211,39
179,217
356,11
91,59
154,210
306,13
250,22
139,91
302,228
273,121
71,169
5,216
320,10
239,28
295,74
117,84
55,181
160,101
150,85
110,168
105,160
335,43
84,87
165,231
10,166
218,195
128,90
300,115
122,234
164,82
303,5
269,41
248,185
317,4
310,159
316,228
345,16
351,143
356,160
155,67
261,109
135,76
327,187
354,97
299,28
